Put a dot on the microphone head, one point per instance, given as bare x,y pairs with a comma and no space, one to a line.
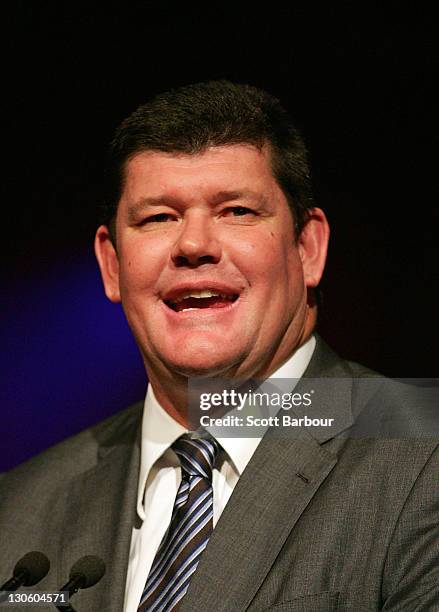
89,568
35,565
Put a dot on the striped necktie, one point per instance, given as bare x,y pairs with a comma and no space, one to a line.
190,528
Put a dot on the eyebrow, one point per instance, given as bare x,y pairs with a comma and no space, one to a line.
228,196
165,200
136,207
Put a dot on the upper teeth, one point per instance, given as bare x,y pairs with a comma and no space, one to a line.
204,293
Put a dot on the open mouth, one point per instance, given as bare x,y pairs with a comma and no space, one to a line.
206,298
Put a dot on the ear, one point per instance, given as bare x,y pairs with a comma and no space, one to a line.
108,263
313,246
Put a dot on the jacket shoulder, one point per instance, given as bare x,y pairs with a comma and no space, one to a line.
326,363
75,455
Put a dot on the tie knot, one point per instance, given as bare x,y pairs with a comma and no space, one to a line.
197,455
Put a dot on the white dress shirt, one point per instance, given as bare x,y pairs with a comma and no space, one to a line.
160,476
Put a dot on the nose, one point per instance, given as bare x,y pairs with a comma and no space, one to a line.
197,242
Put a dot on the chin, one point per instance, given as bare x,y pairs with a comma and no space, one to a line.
201,363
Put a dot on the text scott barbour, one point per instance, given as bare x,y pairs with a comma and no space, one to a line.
286,420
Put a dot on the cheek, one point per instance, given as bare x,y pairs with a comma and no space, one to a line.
271,278
282,271
141,265
275,255
135,275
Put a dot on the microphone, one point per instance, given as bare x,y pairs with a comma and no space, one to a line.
29,570
85,573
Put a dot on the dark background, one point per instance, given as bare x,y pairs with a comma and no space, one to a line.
359,79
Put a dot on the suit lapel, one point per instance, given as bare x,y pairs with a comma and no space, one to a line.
99,519
277,485
264,507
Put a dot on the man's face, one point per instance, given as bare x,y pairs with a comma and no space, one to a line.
208,270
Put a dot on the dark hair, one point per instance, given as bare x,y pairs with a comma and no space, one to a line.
192,118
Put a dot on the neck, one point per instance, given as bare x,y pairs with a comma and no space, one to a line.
171,392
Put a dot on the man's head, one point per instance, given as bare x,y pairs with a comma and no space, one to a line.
217,113
217,242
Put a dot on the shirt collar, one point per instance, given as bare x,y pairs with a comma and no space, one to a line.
159,430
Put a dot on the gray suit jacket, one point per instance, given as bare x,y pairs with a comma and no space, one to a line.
317,522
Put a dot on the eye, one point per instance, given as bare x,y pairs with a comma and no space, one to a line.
159,218
238,211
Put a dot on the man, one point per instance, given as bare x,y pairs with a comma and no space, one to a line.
214,247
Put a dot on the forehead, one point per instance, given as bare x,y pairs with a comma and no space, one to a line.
216,168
